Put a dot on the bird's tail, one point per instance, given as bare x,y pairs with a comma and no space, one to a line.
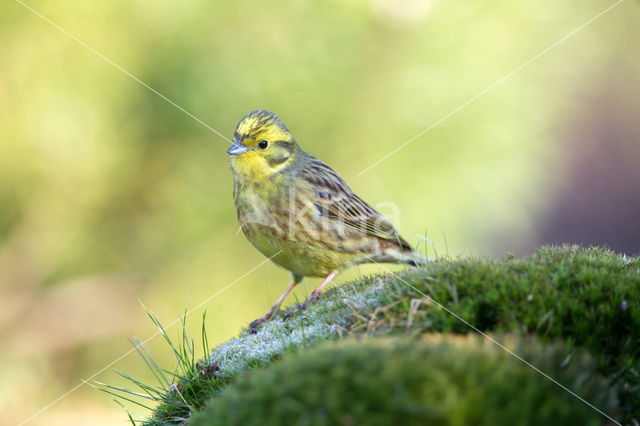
414,258
406,256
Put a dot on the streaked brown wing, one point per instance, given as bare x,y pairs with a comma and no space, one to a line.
335,200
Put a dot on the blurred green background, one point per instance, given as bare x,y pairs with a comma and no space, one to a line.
110,195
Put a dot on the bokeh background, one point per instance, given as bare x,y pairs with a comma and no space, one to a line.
109,195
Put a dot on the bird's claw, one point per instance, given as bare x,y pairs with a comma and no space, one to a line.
253,327
300,308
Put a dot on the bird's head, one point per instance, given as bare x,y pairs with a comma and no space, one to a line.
262,145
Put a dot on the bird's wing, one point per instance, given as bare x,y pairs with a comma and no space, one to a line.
335,200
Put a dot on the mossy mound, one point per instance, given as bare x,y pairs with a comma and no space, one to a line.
588,299
414,382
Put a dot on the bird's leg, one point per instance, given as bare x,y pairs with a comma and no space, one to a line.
253,327
314,295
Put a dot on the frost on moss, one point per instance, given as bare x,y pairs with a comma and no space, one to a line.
326,320
321,321
587,298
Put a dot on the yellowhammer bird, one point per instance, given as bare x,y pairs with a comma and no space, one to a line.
299,213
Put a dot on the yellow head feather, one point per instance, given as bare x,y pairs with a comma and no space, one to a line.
263,146
259,125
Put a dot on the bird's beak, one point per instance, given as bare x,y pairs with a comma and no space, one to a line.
237,148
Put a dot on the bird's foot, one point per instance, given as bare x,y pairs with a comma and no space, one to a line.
303,306
300,308
255,324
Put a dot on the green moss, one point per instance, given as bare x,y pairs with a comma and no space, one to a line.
413,382
587,298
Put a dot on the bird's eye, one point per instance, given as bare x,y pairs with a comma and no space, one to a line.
263,144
